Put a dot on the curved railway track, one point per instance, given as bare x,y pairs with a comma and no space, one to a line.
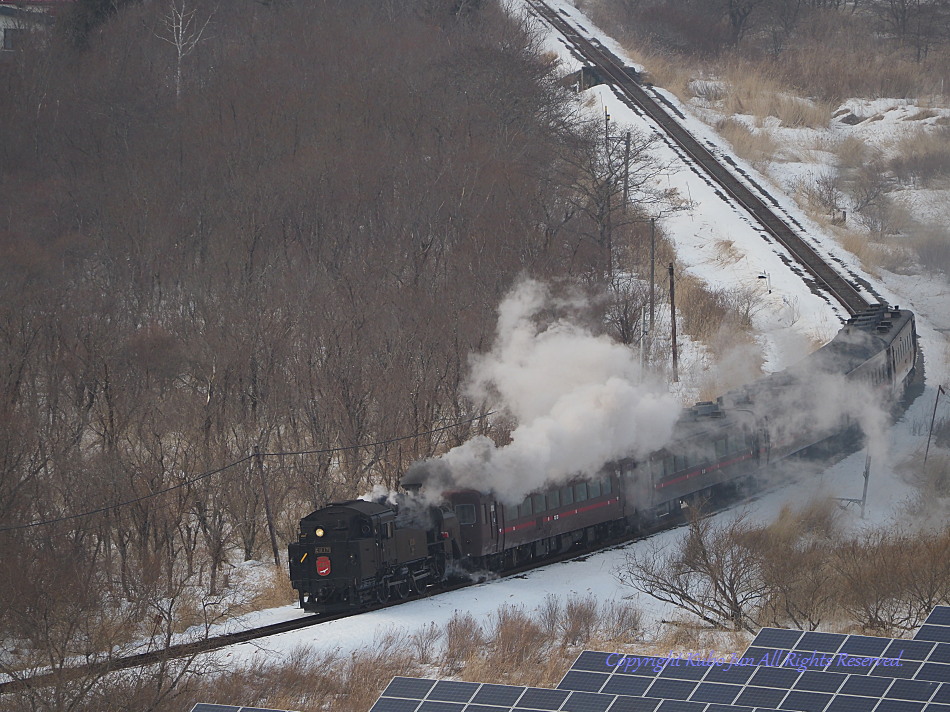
206,645
824,277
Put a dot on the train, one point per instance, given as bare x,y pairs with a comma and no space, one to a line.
352,555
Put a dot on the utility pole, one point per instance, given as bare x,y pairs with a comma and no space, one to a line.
652,270
259,460
867,475
626,171
933,419
673,322
643,338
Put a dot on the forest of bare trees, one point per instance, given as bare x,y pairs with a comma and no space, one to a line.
247,224
830,49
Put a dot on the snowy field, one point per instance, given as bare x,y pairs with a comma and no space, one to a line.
792,321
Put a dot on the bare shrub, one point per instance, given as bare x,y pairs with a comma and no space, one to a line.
823,192
424,640
745,302
932,245
464,639
580,620
851,153
620,621
871,568
797,563
549,615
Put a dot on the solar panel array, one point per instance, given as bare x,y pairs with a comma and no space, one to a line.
406,694
788,670
207,707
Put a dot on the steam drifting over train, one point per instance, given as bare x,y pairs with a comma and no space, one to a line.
352,554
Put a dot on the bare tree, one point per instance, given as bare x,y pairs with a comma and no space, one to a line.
183,30
713,572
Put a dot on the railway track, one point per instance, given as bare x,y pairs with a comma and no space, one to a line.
207,645
824,278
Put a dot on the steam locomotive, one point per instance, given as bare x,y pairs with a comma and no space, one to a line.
352,554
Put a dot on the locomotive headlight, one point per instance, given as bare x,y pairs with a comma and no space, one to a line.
319,531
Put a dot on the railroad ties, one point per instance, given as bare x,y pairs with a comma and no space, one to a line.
825,278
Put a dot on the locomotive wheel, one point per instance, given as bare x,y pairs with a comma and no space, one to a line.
437,568
382,592
401,589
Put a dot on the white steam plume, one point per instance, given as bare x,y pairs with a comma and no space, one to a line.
578,399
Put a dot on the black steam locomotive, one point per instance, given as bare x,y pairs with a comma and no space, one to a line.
355,553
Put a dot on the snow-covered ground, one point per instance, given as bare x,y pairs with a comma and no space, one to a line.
792,321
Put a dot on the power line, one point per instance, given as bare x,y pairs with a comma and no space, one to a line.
205,475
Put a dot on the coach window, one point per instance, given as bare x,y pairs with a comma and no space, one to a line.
537,501
669,466
554,499
567,496
511,512
465,513
606,488
721,445
580,492
593,489
525,509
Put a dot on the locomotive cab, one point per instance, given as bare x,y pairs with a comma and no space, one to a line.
477,515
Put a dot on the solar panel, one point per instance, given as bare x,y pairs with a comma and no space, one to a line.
899,706
867,686
845,703
806,701
622,685
671,689
449,691
714,692
580,702
940,615
939,633
862,645
912,690
408,687
502,695
206,707
941,653
909,649
777,638
822,642
906,668
587,681
934,671
537,698
390,704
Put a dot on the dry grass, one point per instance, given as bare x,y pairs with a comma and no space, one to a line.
513,646
923,158
754,145
273,590
750,91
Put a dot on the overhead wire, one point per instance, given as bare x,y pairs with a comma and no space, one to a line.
210,473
